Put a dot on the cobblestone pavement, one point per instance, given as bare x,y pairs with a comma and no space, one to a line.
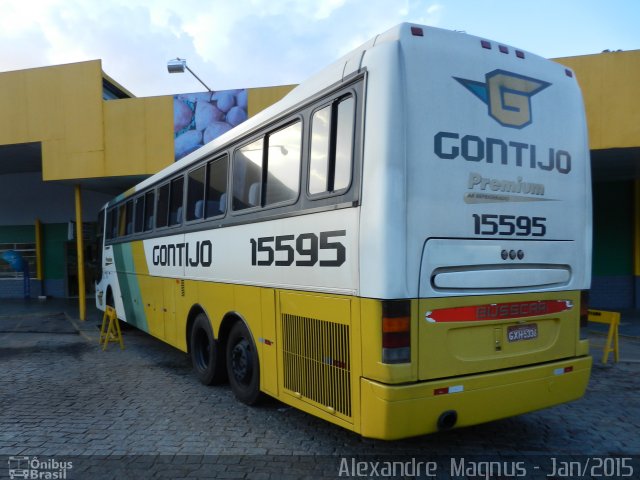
140,413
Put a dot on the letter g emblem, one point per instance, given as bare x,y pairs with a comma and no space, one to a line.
508,96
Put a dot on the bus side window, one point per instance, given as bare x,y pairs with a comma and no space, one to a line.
112,229
195,193
332,147
128,229
148,210
122,221
319,163
162,207
247,175
175,210
216,203
344,144
283,164
139,214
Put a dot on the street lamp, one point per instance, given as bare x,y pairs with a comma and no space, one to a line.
177,65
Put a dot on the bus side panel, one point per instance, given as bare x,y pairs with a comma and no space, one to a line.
170,290
267,343
151,303
215,299
319,364
186,297
152,293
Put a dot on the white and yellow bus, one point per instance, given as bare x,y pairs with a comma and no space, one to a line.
398,246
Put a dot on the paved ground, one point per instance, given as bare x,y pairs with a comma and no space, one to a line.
140,413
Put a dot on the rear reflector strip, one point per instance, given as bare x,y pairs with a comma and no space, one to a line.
498,311
562,371
448,390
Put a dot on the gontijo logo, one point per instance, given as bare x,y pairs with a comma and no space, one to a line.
508,96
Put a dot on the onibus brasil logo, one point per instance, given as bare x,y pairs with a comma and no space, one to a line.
508,96
38,469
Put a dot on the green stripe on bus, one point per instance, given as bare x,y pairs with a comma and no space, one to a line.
129,286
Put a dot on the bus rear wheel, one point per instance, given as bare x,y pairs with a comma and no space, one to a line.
207,361
243,367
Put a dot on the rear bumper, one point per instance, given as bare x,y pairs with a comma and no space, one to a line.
392,412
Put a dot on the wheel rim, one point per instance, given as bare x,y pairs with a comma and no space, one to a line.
241,361
202,349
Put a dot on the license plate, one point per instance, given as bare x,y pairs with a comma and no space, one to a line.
517,333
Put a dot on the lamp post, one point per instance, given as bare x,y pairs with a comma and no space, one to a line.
178,65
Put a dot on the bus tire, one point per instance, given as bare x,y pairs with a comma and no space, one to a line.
243,367
205,356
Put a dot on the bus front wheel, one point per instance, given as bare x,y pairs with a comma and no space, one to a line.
243,367
205,357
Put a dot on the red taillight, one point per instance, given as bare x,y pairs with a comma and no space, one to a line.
485,44
396,340
417,32
396,331
498,311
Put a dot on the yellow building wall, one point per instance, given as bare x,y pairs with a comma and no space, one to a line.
60,106
260,98
610,85
138,135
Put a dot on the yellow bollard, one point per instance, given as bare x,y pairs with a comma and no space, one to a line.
613,320
110,330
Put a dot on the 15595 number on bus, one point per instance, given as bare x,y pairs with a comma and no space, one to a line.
522,226
303,250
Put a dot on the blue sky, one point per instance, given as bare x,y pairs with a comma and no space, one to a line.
251,43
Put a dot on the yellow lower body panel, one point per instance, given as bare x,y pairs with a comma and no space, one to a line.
392,412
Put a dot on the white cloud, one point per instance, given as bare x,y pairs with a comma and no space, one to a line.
434,9
229,44
325,8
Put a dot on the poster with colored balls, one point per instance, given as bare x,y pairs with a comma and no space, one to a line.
198,118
